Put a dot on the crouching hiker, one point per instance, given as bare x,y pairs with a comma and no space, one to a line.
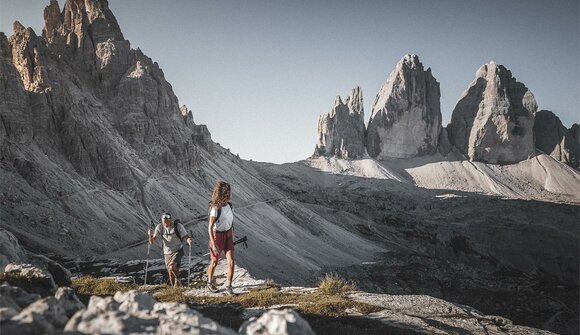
172,235
221,234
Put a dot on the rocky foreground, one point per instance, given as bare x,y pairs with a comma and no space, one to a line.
137,312
38,299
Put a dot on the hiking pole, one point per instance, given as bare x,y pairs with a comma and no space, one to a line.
189,267
148,249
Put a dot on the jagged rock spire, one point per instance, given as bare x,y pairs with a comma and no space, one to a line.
341,132
406,115
493,120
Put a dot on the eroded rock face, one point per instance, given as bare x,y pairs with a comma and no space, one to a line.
422,314
493,120
406,116
341,132
92,101
554,139
10,249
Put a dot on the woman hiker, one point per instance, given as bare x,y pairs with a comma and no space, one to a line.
172,235
221,233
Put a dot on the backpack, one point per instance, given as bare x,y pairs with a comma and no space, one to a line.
219,211
176,228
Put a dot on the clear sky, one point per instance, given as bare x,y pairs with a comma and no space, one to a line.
259,73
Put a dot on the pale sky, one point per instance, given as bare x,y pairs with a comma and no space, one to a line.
259,73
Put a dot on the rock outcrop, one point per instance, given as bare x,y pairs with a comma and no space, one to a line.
554,139
341,132
422,314
10,249
280,322
493,119
406,115
39,280
136,312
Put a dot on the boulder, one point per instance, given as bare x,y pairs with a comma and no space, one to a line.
49,308
277,322
406,114
137,312
59,273
67,297
8,308
32,279
341,132
18,295
494,118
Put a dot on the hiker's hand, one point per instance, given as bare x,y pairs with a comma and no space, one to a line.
189,241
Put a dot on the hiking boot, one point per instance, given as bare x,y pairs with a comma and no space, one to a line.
229,290
211,287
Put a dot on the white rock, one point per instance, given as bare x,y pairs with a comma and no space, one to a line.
49,308
134,302
69,300
277,322
190,322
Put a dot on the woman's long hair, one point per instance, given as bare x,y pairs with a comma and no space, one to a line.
221,194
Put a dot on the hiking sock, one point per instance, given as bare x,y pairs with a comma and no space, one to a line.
229,283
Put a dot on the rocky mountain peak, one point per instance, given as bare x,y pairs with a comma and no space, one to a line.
411,61
341,132
406,115
80,18
26,53
552,138
493,120
354,101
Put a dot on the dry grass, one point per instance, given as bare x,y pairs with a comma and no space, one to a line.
322,302
333,284
170,294
88,285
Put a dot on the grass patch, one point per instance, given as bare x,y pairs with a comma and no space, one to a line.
263,296
322,302
170,294
88,285
333,284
